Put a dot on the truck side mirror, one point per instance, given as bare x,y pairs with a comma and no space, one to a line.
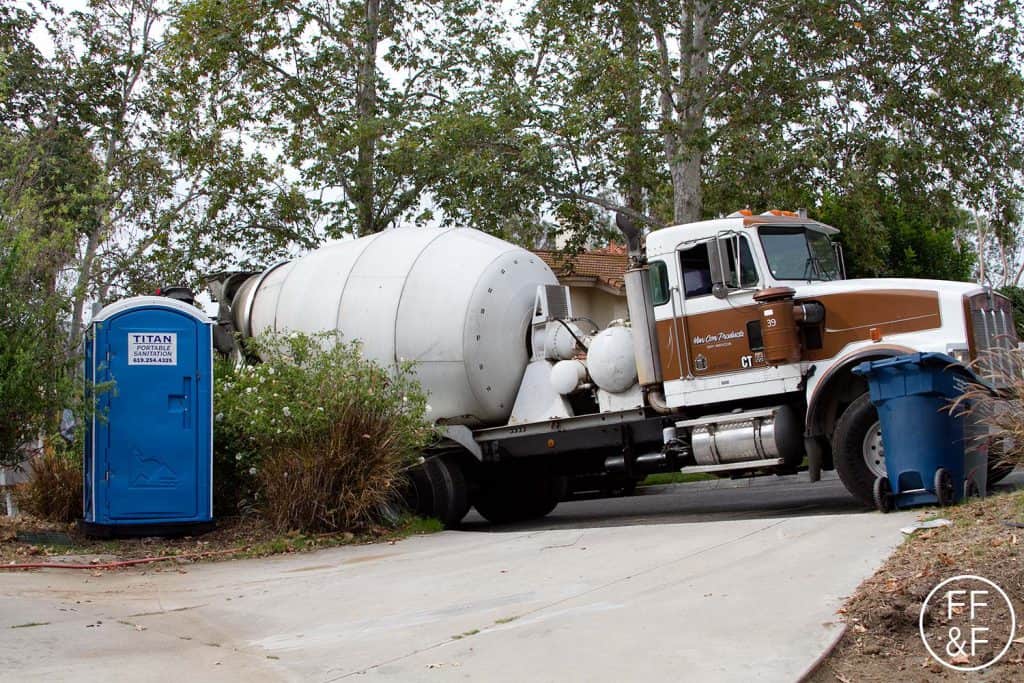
840,259
721,266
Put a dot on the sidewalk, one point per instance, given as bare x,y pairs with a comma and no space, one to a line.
711,601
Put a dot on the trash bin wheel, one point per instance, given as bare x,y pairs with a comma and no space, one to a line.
944,487
884,500
856,445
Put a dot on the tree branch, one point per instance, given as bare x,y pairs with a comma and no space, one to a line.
612,206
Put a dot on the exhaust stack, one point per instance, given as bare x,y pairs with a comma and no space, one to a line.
641,315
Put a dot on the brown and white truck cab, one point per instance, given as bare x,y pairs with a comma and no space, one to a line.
755,307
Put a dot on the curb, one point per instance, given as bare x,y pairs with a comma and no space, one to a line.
820,659
740,483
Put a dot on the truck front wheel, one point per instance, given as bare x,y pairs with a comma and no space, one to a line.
857,449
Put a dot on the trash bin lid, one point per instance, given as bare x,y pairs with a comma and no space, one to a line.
930,359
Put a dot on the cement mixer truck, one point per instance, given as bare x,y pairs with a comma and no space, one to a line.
736,358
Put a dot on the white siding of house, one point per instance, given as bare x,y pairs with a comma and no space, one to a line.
600,306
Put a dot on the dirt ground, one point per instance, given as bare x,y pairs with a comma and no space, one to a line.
882,640
25,540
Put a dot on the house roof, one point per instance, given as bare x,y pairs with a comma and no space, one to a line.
603,268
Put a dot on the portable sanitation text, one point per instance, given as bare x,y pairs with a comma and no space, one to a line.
147,348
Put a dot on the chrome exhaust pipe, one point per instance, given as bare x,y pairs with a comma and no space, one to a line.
641,315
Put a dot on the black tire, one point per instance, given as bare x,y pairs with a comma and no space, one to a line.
450,493
944,487
847,448
883,495
519,500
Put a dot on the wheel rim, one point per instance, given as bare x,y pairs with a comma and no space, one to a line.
873,451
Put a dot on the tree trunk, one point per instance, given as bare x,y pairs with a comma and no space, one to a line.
683,103
633,164
81,291
364,187
687,192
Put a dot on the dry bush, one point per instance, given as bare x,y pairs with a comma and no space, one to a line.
336,480
999,405
54,488
316,436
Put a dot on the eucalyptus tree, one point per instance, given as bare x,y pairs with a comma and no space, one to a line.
381,110
854,107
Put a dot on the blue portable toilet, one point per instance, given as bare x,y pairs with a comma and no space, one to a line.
149,444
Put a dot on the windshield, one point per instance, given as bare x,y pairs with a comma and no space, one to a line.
799,254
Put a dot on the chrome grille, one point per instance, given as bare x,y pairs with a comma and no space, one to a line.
994,338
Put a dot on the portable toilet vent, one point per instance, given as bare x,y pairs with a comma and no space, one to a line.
149,444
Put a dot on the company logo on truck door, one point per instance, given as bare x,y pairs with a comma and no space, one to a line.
152,349
717,337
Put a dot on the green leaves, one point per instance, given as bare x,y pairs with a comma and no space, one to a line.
693,109
33,380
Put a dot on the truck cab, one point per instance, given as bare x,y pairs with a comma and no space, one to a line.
756,309
704,277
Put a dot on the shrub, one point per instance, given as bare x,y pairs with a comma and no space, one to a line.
34,365
1016,297
54,487
316,436
1001,411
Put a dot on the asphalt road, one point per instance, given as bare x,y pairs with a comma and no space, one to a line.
708,501
717,500
739,582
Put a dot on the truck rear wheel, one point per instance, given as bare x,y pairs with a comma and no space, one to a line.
519,500
857,449
451,493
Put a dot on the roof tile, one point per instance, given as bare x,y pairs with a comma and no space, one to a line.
606,265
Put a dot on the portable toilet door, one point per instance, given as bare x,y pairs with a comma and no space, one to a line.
149,450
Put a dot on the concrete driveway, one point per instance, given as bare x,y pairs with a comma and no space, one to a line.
720,599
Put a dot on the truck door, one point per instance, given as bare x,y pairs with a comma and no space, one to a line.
667,303
722,335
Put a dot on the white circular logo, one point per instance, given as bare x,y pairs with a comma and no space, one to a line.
969,623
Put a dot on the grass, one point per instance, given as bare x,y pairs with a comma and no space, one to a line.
418,526
1019,504
467,634
675,478
296,542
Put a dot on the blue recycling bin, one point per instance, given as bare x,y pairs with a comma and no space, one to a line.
148,465
924,441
